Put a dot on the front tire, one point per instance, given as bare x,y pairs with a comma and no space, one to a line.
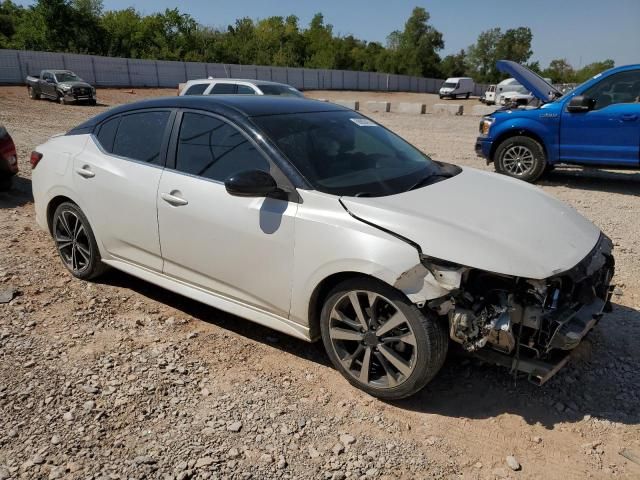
379,341
521,157
75,242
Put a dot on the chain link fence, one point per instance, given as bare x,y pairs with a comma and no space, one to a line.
15,65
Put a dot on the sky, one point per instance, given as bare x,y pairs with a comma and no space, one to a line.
582,31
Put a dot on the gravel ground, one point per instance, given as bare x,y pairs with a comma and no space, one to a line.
120,379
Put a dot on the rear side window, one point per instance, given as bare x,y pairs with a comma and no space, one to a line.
245,90
211,148
107,133
196,89
223,88
139,136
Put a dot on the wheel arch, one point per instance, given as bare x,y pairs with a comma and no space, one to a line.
517,132
53,204
320,293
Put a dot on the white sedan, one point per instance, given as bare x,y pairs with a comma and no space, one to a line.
318,222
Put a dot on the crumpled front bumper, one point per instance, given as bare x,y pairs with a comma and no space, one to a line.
483,147
593,290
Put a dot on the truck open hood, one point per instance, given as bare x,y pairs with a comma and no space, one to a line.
486,221
533,82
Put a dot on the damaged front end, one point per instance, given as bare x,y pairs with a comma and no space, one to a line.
526,325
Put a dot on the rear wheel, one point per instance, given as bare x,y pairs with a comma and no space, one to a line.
467,96
379,341
521,157
75,242
33,95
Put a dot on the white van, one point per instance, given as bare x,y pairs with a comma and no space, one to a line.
457,87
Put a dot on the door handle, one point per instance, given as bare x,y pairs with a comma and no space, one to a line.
629,117
173,198
85,172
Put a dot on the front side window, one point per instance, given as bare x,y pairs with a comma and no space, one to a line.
211,148
623,87
139,136
223,89
344,153
196,89
67,77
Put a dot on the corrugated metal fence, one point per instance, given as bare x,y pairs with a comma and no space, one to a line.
15,65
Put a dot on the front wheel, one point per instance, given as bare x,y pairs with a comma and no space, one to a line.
521,157
75,242
379,341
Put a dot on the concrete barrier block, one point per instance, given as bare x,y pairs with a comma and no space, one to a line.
378,106
482,110
409,108
352,104
448,109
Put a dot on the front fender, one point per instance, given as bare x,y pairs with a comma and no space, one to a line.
544,126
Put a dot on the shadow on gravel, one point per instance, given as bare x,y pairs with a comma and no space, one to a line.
19,194
289,345
623,182
600,382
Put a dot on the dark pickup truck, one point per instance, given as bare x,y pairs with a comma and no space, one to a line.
63,86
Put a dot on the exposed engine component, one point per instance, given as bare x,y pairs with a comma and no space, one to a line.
529,323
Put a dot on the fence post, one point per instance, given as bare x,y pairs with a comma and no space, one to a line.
93,70
129,73
22,75
186,76
155,64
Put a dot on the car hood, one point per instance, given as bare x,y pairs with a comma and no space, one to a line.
533,82
485,221
75,84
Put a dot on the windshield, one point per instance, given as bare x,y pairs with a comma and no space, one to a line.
344,153
449,85
282,90
67,77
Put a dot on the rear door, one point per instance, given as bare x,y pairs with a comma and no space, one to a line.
236,247
117,177
608,134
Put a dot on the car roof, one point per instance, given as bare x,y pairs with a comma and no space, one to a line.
253,81
228,105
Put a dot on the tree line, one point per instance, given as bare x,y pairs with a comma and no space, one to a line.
83,26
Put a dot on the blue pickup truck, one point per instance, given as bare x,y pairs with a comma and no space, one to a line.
597,125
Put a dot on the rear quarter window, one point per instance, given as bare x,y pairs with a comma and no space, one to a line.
107,133
224,89
196,89
139,136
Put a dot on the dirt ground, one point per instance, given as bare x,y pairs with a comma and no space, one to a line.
120,379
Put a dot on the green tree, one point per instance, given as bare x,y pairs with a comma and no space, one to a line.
319,44
588,71
560,71
482,56
418,46
454,65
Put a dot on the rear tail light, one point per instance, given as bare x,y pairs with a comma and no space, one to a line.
8,151
35,159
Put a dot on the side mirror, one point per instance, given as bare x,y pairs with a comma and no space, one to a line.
581,103
253,183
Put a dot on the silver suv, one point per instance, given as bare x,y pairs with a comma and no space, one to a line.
234,86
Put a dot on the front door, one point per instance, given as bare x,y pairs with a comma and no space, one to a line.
239,248
608,134
117,177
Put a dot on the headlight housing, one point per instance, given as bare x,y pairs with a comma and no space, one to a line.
65,88
485,125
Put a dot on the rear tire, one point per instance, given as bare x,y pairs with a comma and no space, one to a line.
520,157
33,95
467,96
5,183
399,350
76,243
